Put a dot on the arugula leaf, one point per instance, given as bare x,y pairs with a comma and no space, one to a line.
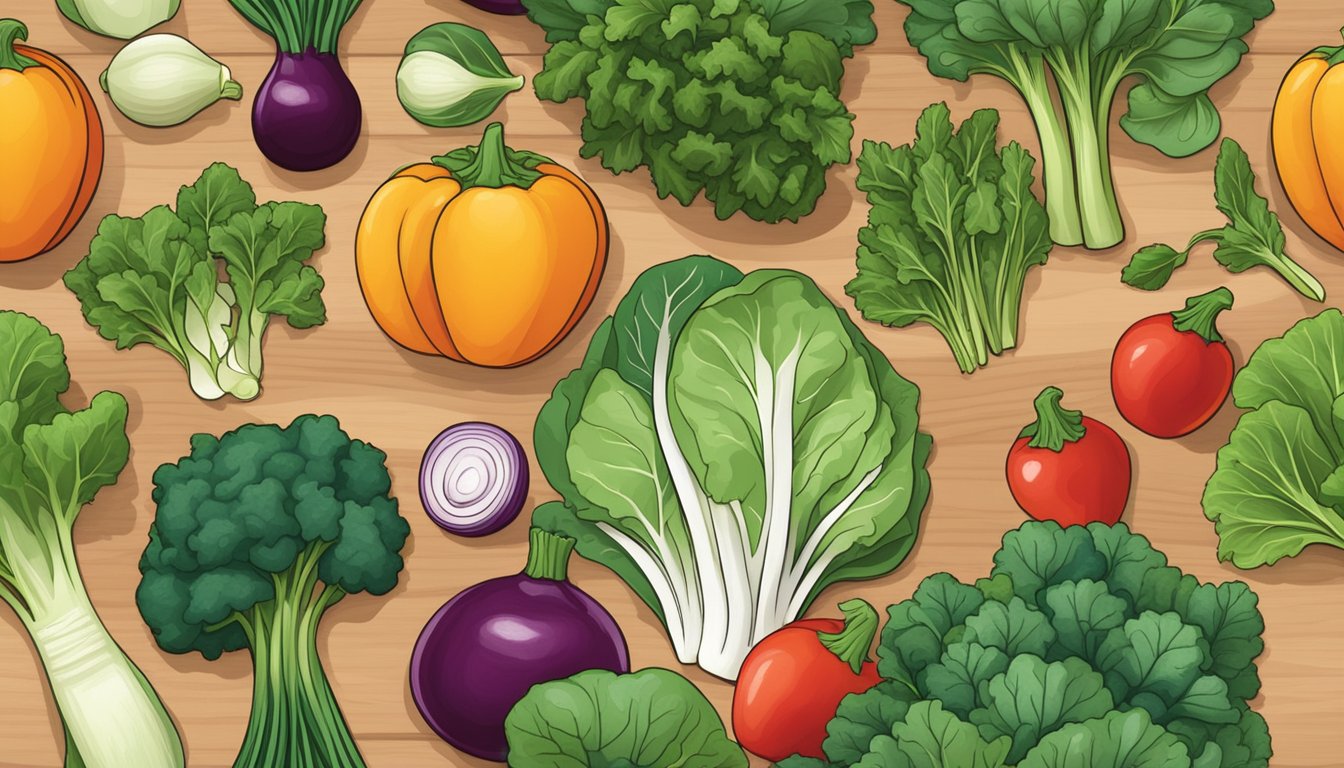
1252,238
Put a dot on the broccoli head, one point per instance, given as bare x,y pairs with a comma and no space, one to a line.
255,535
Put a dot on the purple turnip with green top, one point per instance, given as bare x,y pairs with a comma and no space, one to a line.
306,115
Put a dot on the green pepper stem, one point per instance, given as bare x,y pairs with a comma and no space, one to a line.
11,31
1055,426
1201,314
548,555
852,643
493,166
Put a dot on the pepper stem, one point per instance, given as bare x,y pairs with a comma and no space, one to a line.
495,165
851,644
1201,314
11,31
1055,426
548,555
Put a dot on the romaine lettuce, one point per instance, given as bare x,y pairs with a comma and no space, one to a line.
730,446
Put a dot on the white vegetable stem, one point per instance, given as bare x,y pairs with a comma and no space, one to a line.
110,713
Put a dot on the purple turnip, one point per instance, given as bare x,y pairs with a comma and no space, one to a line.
487,646
307,115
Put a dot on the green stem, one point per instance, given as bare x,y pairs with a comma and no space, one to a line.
1333,55
11,31
1305,282
1201,314
1059,177
491,164
295,719
1055,426
548,555
1089,125
852,643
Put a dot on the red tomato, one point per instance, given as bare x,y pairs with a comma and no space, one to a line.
1172,372
1079,471
791,684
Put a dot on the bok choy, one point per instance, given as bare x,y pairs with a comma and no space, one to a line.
730,446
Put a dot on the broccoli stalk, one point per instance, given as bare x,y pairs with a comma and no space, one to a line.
256,534
52,463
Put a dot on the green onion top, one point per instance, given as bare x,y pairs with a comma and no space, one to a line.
299,25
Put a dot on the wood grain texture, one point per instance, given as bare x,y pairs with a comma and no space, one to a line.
1075,309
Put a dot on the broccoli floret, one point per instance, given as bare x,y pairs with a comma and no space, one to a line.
255,535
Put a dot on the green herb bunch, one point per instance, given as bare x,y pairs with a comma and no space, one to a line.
739,99
1082,648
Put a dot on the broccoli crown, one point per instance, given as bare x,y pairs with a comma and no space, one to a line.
236,516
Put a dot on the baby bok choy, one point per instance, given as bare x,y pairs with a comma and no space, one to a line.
163,80
53,461
730,446
307,114
452,75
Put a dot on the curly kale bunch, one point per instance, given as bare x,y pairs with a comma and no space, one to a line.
258,533
738,98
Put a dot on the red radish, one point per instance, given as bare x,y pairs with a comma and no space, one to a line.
1068,468
793,681
1171,372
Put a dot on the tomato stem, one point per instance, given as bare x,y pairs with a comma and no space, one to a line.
548,555
11,31
1055,426
851,644
1201,314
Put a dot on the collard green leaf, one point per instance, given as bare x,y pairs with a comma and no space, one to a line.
913,637
1033,698
863,716
930,737
1119,740
1154,655
1263,496
1082,614
1129,558
34,374
650,718
1013,627
1040,555
1300,369
958,678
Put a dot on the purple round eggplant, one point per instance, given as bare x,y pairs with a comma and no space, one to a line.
485,648
504,7
307,115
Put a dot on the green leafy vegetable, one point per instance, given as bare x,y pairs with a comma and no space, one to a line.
646,719
1279,483
53,461
155,279
1082,649
1252,238
452,75
735,98
256,535
952,230
1176,48
730,446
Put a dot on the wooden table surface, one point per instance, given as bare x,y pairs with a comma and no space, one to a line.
1075,309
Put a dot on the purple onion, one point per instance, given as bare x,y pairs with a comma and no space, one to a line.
307,114
485,648
506,7
473,479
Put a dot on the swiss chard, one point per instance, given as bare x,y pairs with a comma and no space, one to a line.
952,230
1177,49
738,99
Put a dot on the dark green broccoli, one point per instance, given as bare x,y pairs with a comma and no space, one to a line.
256,534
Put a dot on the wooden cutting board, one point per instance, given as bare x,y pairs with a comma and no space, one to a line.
1075,309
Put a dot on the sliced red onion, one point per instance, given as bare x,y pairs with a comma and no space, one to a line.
473,479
